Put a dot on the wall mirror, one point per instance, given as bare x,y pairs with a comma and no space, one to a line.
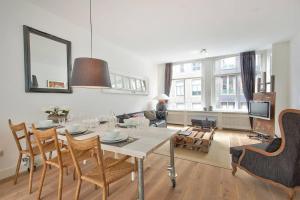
47,62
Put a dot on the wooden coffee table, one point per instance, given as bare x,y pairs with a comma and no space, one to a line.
199,138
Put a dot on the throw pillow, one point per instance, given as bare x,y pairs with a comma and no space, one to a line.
274,145
151,115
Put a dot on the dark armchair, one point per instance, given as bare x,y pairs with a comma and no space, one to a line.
279,166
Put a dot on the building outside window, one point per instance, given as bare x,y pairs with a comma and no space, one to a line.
186,90
228,84
219,79
179,87
196,87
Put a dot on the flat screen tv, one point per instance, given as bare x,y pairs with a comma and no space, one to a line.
260,109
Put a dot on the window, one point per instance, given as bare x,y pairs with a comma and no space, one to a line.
179,88
181,69
119,81
228,85
219,79
196,67
196,87
186,90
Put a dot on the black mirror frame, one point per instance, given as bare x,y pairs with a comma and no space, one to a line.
27,62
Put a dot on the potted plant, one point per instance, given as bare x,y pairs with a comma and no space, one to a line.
56,113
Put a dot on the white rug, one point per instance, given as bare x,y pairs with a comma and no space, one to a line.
218,154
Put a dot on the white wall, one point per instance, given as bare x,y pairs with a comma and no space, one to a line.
281,70
21,106
295,72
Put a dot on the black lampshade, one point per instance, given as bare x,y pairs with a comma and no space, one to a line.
90,73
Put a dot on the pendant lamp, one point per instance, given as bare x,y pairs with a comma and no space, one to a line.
90,72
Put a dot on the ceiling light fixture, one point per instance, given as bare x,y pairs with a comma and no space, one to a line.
204,53
90,72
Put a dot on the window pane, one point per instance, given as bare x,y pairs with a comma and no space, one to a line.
119,81
227,65
196,87
197,106
126,83
113,80
179,88
133,84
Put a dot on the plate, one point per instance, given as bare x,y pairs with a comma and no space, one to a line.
119,138
47,127
80,131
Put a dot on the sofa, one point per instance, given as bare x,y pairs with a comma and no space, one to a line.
155,120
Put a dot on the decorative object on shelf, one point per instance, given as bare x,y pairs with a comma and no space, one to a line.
55,84
262,83
56,113
34,82
90,72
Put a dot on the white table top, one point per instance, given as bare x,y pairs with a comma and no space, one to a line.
149,139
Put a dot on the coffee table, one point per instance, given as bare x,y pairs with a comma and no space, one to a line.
195,138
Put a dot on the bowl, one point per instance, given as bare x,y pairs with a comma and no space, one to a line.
45,123
112,133
73,127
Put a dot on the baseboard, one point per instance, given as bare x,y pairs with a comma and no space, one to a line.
9,172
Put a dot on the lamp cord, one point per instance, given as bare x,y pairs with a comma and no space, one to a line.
91,28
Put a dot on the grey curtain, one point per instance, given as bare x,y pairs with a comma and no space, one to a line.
248,76
168,78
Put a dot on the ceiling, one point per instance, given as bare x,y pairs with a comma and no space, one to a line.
175,30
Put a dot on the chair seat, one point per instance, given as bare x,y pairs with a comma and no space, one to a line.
66,159
112,174
48,146
237,151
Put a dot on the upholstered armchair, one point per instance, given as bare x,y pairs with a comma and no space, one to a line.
280,165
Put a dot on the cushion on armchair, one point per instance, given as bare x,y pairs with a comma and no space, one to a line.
237,151
274,145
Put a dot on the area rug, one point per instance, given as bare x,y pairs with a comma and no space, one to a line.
218,154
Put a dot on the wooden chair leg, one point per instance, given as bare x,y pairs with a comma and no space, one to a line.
291,193
78,189
67,171
234,168
42,181
74,174
31,173
60,183
50,156
18,168
108,190
104,193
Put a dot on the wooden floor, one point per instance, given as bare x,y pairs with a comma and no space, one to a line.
195,181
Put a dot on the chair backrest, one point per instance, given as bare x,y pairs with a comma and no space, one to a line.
20,132
46,137
80,148
289,122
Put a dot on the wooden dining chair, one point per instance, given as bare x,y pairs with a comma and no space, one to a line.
62,160
21,134
106,170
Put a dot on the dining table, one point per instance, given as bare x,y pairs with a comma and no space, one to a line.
143,142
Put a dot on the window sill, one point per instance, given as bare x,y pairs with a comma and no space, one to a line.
214,111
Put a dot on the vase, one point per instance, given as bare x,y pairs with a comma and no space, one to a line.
57,118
